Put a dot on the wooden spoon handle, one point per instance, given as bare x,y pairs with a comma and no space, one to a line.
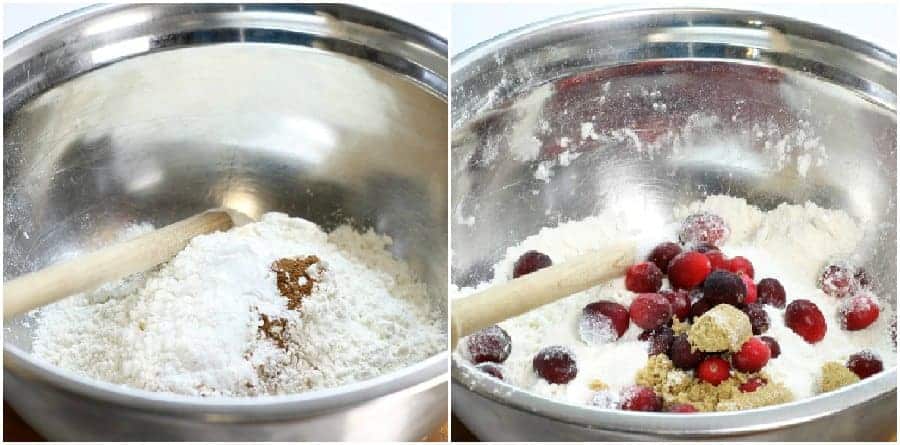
536,289
89,271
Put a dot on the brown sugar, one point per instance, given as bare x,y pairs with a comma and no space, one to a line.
836,375
677,386
722,328
294,278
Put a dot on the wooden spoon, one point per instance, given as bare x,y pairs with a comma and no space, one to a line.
538,288
89,271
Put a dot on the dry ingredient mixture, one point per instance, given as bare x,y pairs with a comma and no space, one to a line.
272,307
729,308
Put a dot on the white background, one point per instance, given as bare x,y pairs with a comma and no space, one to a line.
873,21
435,16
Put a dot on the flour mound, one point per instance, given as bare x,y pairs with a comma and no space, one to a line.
212,322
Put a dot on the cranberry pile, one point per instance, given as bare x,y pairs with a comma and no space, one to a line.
701,277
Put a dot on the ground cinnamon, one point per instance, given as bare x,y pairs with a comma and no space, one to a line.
294,279
274,328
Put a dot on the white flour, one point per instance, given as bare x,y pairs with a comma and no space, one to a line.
193,326
791,243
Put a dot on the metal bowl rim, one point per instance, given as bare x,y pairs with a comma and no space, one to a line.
481,49
422,375
776,416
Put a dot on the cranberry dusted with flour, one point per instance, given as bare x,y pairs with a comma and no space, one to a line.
662,255
658,339
806,320
837,280
641,398
774,347
858,312
491,369
753,355
529,262
643,277
603,322
759,319
702,228
683,355
555,364
865,363
688,270
650,310
713,370
680,301
722,287
617,313
770,291
491,344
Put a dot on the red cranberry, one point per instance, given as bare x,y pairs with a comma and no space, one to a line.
858,312
681,408
491,344
771,292
722,287
688,269
603,322
643,277
555,364
680,301
492,369
529,262
703,228
700,307
837,280
650,310
864,364
751,288
615,311
752,384
752,357
739,265
717,260
662,254
774,348
759,319
659,339
640,398
713,370
682,355
806,320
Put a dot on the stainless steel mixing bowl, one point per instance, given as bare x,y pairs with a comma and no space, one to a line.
685,103
126,113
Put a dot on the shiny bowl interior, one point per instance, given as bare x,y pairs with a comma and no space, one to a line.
131,113
692,102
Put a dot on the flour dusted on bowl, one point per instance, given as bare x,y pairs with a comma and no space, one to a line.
273,307
739,338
